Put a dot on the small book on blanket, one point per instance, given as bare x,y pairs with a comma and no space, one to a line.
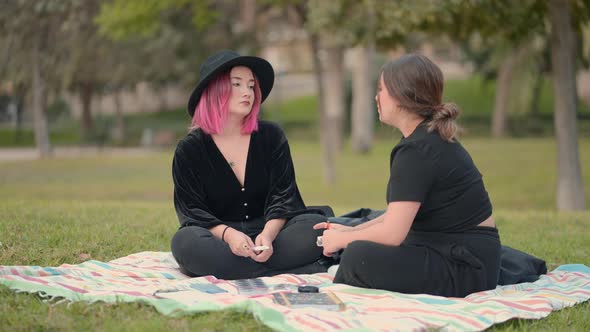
253,286
324,300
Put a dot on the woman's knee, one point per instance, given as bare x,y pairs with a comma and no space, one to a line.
301,227
353,262
308,219
191,247
187,239
356,253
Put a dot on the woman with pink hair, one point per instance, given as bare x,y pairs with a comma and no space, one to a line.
241,214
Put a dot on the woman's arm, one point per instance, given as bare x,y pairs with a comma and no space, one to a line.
283,200
392,230
266,238
217,231
273,227
345,228
190,200
370,223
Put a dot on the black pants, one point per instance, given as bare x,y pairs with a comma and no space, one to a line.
199,253
426,263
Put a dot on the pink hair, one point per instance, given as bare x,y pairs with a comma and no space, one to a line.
212,110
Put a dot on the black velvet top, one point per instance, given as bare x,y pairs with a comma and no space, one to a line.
207,192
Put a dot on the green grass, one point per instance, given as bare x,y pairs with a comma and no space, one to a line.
28,313
26,138
59,211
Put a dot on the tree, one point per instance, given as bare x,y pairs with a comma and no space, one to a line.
503,26
297,12
87,53
570,187
37,28
333,26
64,52
323,19
40,95
212,22
512,22
503,87
165,41
327,139
363,107
184,30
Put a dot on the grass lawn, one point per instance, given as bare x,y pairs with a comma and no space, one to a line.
60,211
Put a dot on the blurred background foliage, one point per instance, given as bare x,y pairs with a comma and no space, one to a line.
117,73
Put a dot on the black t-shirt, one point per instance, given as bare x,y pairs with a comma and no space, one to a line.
442,176
207,192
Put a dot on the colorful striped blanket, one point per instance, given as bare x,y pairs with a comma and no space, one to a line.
153,277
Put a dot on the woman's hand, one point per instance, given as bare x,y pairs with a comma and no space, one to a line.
332,241
263,240
239,243
338,227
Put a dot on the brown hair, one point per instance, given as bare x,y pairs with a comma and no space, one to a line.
417,84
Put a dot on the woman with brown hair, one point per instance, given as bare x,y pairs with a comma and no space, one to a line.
437,235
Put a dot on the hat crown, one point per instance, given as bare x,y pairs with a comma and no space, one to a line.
214,61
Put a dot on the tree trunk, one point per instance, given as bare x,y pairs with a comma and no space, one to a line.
570,188
248,15
87,123
363,110
119,130
332,124
40,103
328,152
333,81
535,110
500,115
247,26
6,56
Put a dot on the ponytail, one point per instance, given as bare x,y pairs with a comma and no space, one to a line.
416,83
443,121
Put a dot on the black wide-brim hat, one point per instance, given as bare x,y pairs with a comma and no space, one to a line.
225,60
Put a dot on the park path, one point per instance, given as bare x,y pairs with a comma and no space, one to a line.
16,154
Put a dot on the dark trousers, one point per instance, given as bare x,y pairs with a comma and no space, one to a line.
426,263
199,253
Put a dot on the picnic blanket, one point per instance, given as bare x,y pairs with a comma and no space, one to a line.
153,278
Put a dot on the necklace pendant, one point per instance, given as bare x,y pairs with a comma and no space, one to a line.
232,164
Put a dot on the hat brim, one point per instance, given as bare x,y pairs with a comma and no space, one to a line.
261,68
